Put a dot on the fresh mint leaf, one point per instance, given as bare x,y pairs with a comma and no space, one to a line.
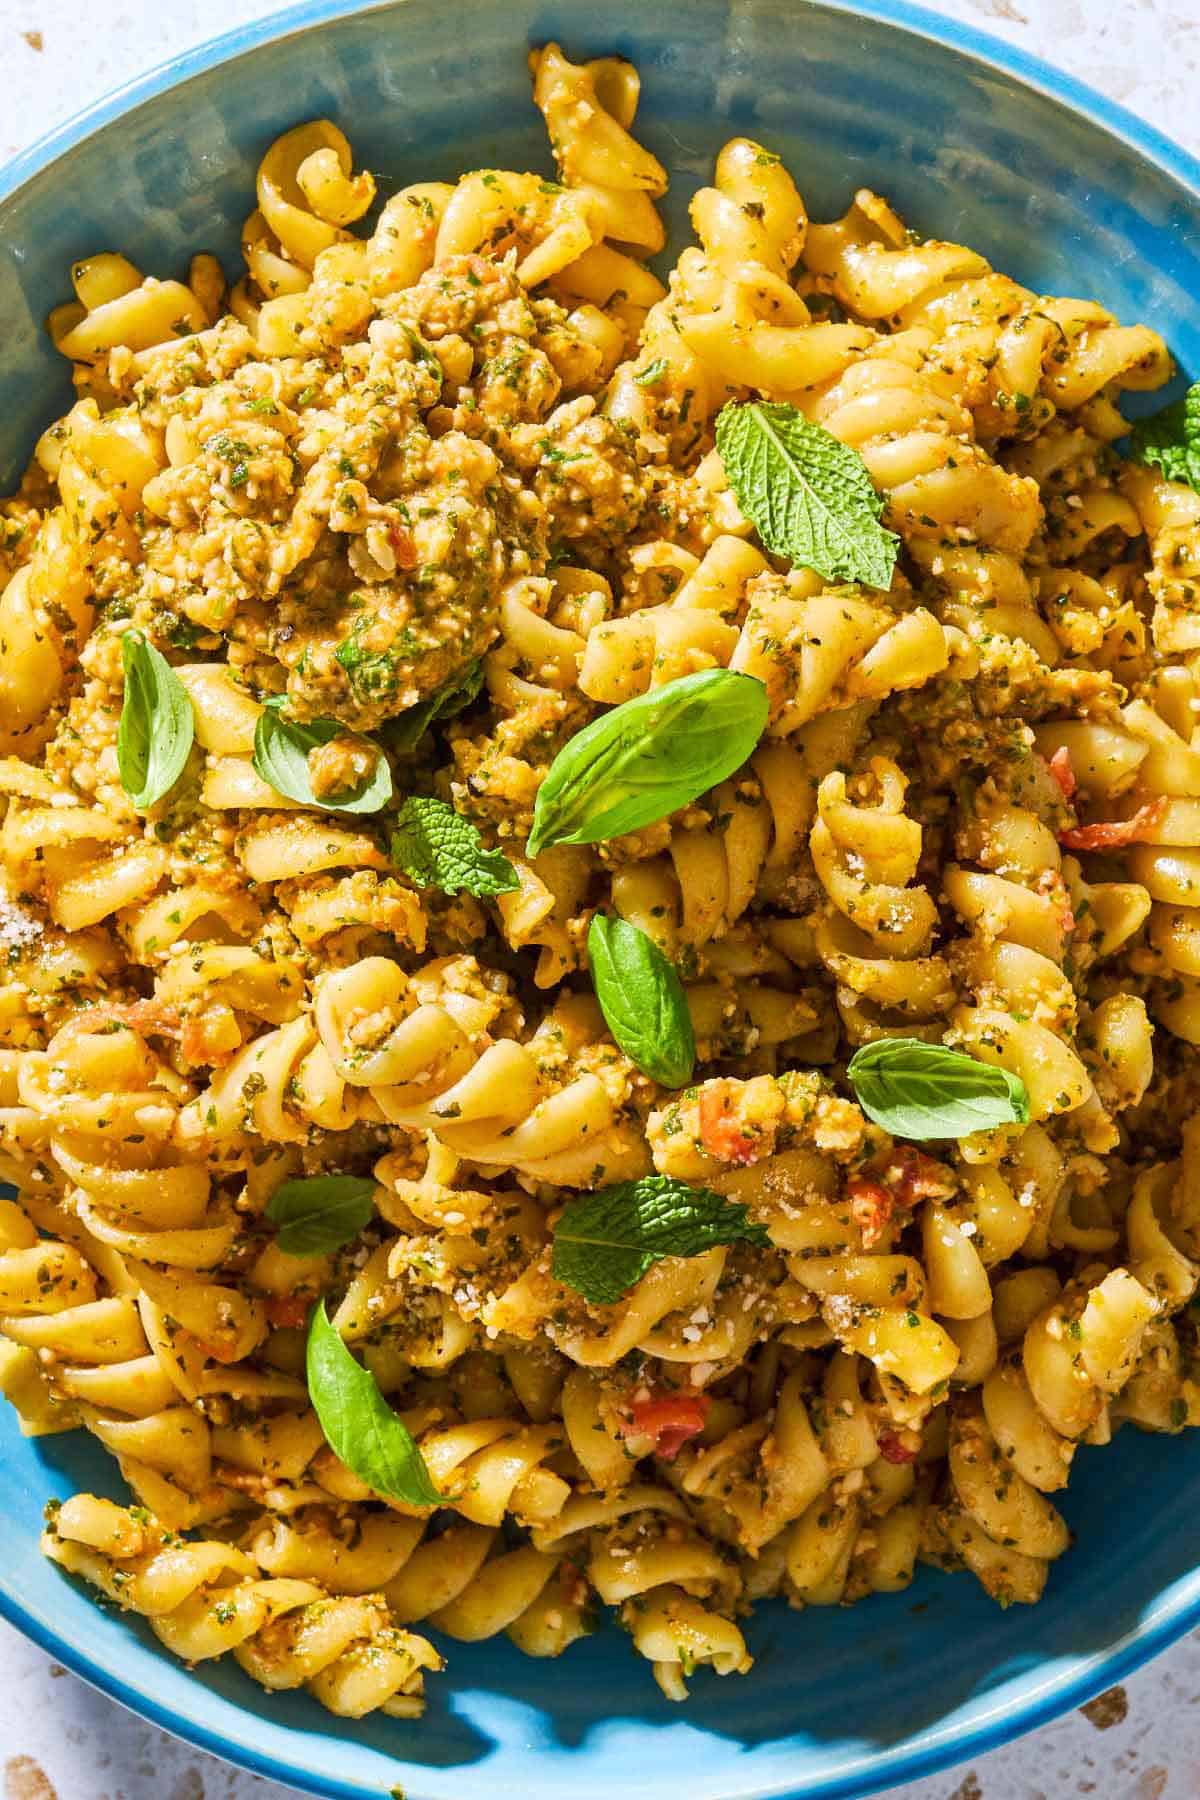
642,1000
918,1090
155,735
281,748
320,1214
1170,439
605,1242
808,495
405,731
359,1425
648,757
437,847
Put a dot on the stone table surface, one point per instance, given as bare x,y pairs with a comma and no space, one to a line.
59,1740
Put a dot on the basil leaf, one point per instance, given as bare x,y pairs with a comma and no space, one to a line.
156,729
642,1000
438,848
808,495
406,730
1170,439
918,1090
281,748
358,1423
647,757
604,1242
320,1214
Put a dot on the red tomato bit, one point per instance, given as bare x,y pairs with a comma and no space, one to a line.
1063,773
720,1130
289,1312
150,1018
403,546
893,1450
913,1176
671,1419
871,1206
1117,833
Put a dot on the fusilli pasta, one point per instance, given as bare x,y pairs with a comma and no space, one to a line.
430,498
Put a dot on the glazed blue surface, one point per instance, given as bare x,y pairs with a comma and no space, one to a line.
1065,192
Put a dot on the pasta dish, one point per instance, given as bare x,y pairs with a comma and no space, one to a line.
600,903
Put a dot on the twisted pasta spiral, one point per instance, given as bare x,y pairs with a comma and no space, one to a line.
425,499
866,857
1015,1444
1169,514
1017,358
205,1599
940,485
115,306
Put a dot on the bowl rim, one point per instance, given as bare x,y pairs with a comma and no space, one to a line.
917,20
944,1746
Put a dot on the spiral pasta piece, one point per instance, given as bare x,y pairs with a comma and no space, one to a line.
205,1599
1017,357
866,858
116,306
1032,1411
940,486
1169,514
391,523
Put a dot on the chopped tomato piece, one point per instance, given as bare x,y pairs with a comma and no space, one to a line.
907,1177
289,1311
721,1133
149,1017
1063,773
894,1450
671,1419
404,546
913,1176
871,1206
1117,833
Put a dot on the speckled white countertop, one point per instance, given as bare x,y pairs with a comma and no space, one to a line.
61,1741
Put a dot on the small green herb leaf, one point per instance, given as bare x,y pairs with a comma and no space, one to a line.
808,495
642,1000
1170,439
156,729
321,1213
647,757
437,847
422,353
281,748
606,1241
405,731
358,1423
918,1090
375,675
652,373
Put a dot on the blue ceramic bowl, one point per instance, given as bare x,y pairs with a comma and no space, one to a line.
976,143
